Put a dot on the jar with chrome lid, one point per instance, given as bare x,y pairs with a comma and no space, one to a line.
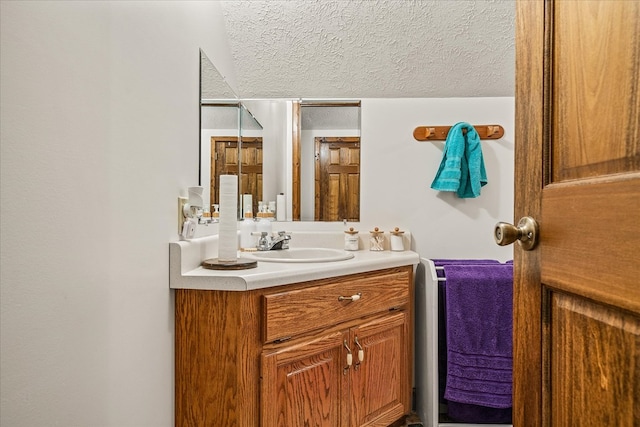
397,240
376,240
351,240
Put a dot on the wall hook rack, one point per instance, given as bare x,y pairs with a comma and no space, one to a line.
439,133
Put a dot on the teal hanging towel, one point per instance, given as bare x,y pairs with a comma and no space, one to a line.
462,166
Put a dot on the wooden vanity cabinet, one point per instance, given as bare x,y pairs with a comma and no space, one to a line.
310,383
279,356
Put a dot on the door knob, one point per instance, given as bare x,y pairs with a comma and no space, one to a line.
526,233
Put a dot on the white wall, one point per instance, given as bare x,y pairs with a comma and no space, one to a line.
99,114
397,172
99,135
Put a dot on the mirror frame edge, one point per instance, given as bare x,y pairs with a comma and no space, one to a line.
295,180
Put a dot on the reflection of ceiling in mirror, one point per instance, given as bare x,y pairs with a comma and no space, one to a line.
212,84
226,117
329,118
219,118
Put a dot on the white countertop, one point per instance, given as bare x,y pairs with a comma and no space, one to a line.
185,271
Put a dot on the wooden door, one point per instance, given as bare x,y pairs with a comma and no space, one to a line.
337,178
306,384
577,159
381,383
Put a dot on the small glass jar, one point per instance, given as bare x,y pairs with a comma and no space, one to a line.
397,240
351,240
376,241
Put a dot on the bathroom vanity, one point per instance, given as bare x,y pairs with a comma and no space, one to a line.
322,344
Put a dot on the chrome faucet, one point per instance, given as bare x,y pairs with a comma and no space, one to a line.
281,241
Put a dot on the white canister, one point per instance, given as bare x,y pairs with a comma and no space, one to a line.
397,240
351,240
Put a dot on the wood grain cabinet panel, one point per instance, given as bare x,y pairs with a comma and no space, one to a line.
278,356
304,385
378,384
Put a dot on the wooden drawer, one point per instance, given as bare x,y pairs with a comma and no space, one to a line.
291,313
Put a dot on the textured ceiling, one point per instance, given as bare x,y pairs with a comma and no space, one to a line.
371,48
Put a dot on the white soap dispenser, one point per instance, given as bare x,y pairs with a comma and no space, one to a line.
247,227
264,225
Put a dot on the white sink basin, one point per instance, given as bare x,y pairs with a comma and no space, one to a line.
301,255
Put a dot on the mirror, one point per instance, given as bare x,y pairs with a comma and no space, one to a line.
305,145
329,159
230,140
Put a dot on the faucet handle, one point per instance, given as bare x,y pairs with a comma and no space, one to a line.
285,237
263,243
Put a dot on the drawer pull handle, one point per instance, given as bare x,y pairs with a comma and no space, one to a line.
355,297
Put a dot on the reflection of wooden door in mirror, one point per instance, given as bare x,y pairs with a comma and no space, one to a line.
251,170
337,178
224,161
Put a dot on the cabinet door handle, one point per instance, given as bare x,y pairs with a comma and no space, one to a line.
349,355
360,351
360,354
355,297
349,358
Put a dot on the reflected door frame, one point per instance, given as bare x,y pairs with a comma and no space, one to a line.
337,178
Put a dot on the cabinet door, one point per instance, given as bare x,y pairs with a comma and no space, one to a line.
306,384
380,383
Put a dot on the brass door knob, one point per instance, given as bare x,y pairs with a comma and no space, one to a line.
526,233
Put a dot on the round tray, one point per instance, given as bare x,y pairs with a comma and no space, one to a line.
239,264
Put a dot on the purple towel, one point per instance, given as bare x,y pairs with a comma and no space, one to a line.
468,413
442,262
439,262
479,334
442,323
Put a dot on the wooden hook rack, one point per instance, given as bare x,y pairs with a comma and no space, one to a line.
439,133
